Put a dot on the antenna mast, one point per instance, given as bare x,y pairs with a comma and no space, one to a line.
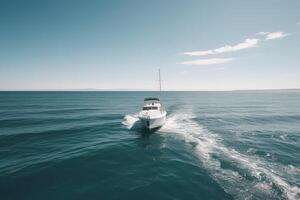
159,80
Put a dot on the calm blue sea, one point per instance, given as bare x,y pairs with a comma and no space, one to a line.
90,145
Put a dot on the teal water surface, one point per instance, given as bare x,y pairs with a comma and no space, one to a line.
90,145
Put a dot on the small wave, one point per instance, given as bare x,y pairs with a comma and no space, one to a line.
283,137
251,177
292,169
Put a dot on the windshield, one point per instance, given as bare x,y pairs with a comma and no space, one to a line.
150,108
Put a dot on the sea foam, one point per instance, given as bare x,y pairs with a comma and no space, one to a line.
131,121
265,182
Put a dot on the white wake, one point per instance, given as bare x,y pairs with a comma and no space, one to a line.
251,177
130,121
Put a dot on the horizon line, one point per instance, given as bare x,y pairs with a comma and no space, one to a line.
136,90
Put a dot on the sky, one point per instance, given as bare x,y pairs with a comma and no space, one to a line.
120,45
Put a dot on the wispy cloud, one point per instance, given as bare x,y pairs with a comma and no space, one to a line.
199,53
248,43
276,35
298,24
210,61
262,33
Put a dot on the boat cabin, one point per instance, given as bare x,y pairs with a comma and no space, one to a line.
151,103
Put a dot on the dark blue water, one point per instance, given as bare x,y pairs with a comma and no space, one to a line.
89,145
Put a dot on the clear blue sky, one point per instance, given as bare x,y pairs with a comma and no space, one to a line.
113,44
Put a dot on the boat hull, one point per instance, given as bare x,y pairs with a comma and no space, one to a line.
153,123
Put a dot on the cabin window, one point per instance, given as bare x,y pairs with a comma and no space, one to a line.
150,108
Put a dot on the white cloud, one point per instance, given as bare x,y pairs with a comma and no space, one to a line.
210,61
298,24
199,53
262,33
276,35
248,43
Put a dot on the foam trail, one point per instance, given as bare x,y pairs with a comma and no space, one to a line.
131,121
265,181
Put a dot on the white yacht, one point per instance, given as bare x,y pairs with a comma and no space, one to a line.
153,114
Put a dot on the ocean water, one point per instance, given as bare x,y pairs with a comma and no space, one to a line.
90,145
